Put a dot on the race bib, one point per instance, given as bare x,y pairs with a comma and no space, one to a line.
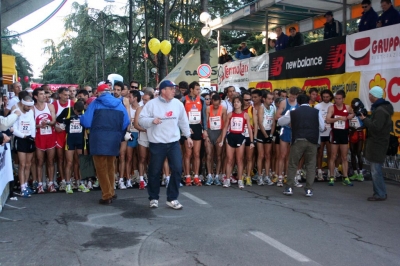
215,123
194,117
75,127
237,124
354,122
46,131
267,123
246,131
339,124
25,127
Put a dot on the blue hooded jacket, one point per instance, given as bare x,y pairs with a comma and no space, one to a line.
107,119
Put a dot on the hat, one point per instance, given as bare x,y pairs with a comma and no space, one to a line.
29,89
101,83
377,92
329,13
102,87
166,83
292,28
90,100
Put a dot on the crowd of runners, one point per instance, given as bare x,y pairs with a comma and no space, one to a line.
236,137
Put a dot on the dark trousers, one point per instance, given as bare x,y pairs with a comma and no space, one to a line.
297,149
158,153
105,173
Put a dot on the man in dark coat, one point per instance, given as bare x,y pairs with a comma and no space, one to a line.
369,17
333,28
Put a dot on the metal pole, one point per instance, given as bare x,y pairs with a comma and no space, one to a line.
218,43
130,41
344,17
266,31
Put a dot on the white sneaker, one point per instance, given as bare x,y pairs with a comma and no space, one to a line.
268,181
63,185
227,182
240,184
260,181
154,203
174,204
337,174
320,176
121,185
296,182
128,183
89,185
280,183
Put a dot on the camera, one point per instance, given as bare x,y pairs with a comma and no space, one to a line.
360,109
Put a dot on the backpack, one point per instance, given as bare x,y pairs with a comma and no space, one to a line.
393,145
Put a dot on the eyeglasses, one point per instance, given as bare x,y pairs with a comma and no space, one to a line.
364,6
134,87
207,99
246,100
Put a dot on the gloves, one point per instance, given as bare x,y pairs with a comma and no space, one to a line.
127,136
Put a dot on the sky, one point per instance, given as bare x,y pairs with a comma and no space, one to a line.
33,42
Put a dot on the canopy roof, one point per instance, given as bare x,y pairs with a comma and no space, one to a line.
252,17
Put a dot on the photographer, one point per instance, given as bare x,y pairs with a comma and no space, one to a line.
243,52
379,126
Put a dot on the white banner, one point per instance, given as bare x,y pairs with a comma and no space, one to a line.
388,79
373,49
240,73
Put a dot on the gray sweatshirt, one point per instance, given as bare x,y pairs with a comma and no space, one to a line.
173,116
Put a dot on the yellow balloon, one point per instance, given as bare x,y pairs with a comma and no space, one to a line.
165,47
154,45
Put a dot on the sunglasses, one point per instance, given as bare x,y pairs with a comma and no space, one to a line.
246,100
134,87
207,99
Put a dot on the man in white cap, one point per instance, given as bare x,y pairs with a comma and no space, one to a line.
379,125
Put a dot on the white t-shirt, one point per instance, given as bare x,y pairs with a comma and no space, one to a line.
228,105
13,101
323,108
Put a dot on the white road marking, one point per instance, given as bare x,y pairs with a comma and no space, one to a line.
283,248
194,198
19,208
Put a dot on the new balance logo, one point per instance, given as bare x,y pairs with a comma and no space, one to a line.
276,66
336,56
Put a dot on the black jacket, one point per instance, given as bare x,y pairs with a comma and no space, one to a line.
297,40
333,29
368,20
389,17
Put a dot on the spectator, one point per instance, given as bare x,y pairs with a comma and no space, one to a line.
242,52
271,45
333,28
390,15
224,57
379,125
253,52
369,17
295,38
282,39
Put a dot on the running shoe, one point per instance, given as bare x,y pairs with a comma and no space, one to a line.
56,186
268,181
320,176
89,185
285,179
121,184
217,182
279,183
331,181
254,177
240,184
51,188
188,181
40,189
128,183
153,203
35,185
309,193
288,191
174,204
274,178
260,181
83,188
30,191
337,173
296,181
74,185
96,184
197,182
346,182
142,185
68,189
233,180
249,183
360,177
209,180
25,194
62,186
353,177
227,182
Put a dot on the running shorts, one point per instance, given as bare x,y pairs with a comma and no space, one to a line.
339,136
235,140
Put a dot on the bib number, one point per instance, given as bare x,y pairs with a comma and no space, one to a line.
46,131
75,127
267,123
339,124
25,128
194,117
215,123
355,123
237,124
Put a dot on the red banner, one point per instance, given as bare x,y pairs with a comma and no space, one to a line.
53,87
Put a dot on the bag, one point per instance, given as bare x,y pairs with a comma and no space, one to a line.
86,166
393,145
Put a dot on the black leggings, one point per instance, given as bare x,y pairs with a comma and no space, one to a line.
356,149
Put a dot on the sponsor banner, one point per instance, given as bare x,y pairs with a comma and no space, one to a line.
349,82
374,49
53,87
240,73
316,59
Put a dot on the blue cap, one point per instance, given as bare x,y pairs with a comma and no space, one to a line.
376,91
166,83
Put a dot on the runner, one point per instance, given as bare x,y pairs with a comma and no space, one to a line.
24,132
45,117
131,150
338,116
70,117
196,111
249,152
357,137
216,117
266,127
235,139
323,107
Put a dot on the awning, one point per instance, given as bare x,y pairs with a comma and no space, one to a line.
9,70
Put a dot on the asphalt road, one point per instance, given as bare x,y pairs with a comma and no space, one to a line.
217,226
